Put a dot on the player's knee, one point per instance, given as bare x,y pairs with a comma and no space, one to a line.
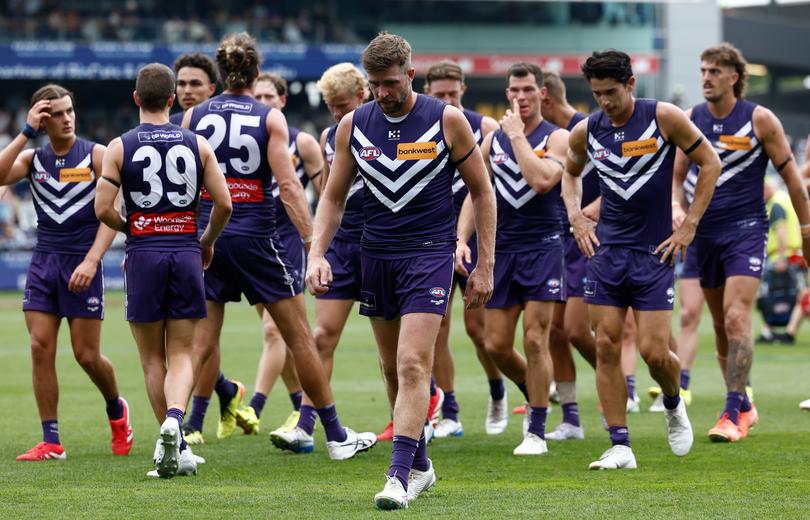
411,369
86,357
326,340
41,350
475,331
558,339
536,341
497,348
737,322
608,351
690,317
655,357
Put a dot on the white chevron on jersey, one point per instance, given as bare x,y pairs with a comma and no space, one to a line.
393,164
68,193
508,174
729,158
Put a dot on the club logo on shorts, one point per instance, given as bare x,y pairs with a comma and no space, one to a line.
553,285
754,263
93,304
438,292
369,153
368,300
589,288
500,158
670,295
601,154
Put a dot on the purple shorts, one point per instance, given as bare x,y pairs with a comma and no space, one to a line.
394,287
256,267
344,258
294,249
529,276
462,280
622,277
163,284
735,254
575,268
689,266
46,288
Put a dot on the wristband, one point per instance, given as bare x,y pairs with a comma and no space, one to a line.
29,131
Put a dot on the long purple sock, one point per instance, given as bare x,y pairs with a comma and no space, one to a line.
733,402
420,459
225,390
178,414
115,410
50,432
331,424
745,406
306,419
432,386
671,401
619,435
199,405
631,386
523,389
295,399
257,402
571,413
496,389
537,421
450,406
685,379
402,457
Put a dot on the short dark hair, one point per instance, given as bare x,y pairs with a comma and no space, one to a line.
277,81
238,60
444,69
728,55
385,51
155,85
608,64
51,91
522,69
200,61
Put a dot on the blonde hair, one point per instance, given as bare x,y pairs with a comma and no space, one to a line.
343,78
238,61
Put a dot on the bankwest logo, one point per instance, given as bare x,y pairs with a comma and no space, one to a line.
160,136
230,106
145,224
242,190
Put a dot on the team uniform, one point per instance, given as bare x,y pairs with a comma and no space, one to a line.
64,190
733,233
634,164
529,263
250,258
343,254
161,177
575,261
689,266
177,118
408,240
460,193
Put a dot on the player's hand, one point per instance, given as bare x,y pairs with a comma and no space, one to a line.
591,211
480,284
463,255
584,230
678,215
319,275
511,123
82,276
676,243
39,113
207,255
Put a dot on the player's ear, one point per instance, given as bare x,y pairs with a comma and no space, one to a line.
411,72
136,98
171,100
631,83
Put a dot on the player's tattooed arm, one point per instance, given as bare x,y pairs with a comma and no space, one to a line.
330,208
15,160
312,158
583,228
541,175
466,155
108,186
289,187
770,133
676,128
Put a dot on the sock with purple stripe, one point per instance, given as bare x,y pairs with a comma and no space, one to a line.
331,424
225,390
50,432
295,398
257,402
671,401
523,389
115,410
631,386
685,379
733,402
496,389
420,459
571,413
537,421
199,405
450,407
619,435
402,456
306,419
176,414
432,386
745,406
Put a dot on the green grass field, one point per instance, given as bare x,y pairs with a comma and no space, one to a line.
766,475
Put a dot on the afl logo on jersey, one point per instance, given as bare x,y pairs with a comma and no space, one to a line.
601,154
41,176
369,153
438,292
500,158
